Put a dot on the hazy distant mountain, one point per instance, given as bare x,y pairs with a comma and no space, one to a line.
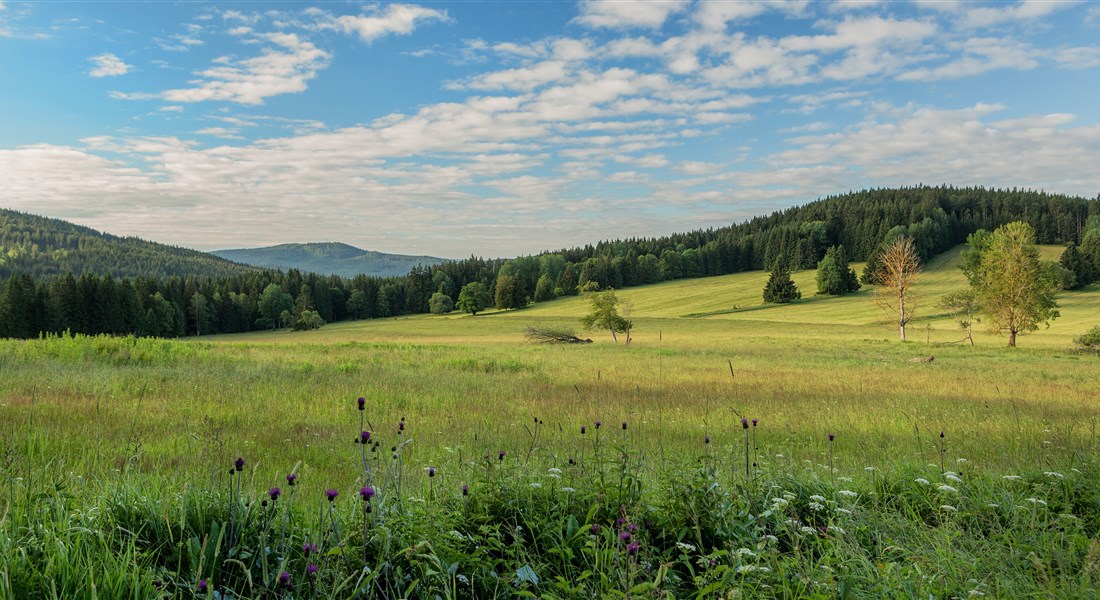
43,247
331,258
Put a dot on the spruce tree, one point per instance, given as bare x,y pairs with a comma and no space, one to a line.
780,287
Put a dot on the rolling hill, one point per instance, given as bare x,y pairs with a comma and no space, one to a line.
43,247
328,258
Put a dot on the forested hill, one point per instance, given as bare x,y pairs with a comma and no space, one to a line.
328,258
935,218
41,247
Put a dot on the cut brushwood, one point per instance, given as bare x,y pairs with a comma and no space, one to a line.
545,335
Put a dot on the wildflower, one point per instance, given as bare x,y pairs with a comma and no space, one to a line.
568,490
922,481
744,423
362,403
1037,501
583,429
595,529
401,425
201,586
284,579
308,548
1054,474
536,485
465,490
624,536
745,552
771,539
745,569
832,436
431,471
847,493
311,570
554,471
816,506
992,505
554,475
941,435
870,469
366,493
238,464
754,422
952,477
274,493
291,478
685,547
624,425
1012,477
807,529
960,460
501,455
706,439
632,548
843,511
599,424
332,494
572,461
947,488
364,437
632,527
817,498
949,508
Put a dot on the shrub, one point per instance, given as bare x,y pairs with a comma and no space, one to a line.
1089,341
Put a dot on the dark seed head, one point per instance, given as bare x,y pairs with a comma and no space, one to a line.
941,434
624,425
465,490
431,471
201,586
238,464
582,429
595,529
331,494
754,422
501,455
599,424
362,402
632,548
744,423
291,478
832,436
706,439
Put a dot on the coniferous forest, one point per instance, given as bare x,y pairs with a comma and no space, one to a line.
60,277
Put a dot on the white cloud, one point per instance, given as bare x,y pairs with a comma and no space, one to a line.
282,68
628,13
979,55
985,16
132,95
108,65
399,19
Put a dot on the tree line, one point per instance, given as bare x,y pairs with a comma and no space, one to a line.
855,226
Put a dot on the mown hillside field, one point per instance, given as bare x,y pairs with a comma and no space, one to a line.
124,445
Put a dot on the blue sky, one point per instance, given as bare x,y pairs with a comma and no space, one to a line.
504,128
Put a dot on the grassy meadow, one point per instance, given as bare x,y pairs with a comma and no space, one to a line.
116,455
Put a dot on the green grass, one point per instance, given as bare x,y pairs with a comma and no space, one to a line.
151,426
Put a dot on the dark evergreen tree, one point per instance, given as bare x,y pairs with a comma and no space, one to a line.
780,287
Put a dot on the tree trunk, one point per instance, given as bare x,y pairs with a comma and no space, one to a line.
901,327
1011,338
612,330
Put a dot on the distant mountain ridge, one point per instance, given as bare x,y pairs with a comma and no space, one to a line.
328,258
43,247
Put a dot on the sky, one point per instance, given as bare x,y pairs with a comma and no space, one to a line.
503,128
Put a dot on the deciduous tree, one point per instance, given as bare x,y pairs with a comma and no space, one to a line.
898,266
1015,289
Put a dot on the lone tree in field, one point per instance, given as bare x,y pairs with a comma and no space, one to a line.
440,304
604,314
963,305
473,298
834,276
1015,289
780,287
898,266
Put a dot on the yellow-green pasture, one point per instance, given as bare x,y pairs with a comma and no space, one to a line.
704,353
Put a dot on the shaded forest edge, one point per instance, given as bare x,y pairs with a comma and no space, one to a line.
60,277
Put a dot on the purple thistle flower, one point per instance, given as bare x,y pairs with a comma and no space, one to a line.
291,478
431,471
308,548
595,529
599,424
632,527
632,548
744,423
201,586
624,425
362,403
941,435
624,536
311,570
754,422
284,579
401,425
366,493
706,439
364,437
465,490
582,429
332,494
239,464
832,436
274,493
501,455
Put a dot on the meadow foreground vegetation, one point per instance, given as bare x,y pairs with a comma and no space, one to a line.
483,473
